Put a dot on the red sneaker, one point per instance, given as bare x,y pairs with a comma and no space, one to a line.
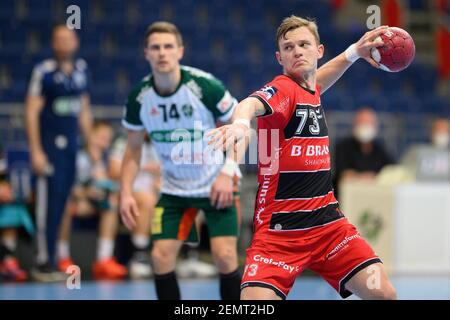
10,270
108,269
63,264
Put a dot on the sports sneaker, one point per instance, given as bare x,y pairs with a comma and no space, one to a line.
47,273
64,264
194,268
139,266
108,269
10,270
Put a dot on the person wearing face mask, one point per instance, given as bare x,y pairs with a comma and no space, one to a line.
440,133
360,157
431,161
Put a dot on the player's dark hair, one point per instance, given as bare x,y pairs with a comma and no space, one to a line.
163,27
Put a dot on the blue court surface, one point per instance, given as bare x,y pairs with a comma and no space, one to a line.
306,288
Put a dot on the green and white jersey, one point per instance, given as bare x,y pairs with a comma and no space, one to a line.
177,123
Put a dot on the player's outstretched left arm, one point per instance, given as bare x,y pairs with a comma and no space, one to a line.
331,71
234,139
226,137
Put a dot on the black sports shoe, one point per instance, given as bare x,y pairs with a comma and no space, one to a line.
46,273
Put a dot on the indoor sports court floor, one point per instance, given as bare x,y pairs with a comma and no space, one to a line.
307,288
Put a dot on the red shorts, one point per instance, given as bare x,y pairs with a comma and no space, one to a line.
336,252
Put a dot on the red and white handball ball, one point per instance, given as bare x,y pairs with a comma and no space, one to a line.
397,51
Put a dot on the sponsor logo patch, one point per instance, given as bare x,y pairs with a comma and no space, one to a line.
268,92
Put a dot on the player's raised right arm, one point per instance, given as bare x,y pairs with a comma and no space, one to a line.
130,167
331,71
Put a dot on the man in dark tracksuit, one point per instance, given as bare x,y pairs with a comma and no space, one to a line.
57,105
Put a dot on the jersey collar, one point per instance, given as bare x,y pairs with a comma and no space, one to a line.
182,80
313,92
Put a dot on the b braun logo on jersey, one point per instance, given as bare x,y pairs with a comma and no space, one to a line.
310,151
307,154
267,91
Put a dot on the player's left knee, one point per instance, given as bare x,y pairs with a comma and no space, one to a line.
225,259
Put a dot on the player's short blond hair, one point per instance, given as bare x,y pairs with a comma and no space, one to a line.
294,22
163,27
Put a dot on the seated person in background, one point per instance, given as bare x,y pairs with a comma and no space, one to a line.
13,214
440,133
431,162
360,157
146,192
93,193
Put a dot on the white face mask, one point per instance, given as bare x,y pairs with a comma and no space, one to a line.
365,133
441,140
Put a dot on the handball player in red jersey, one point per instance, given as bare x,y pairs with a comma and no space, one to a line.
297,221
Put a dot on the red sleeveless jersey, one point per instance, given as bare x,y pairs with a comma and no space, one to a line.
295,192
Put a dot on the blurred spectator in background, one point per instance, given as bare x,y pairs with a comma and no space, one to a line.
146,192
440,133
57,104
12,216
431,162
360,157
94,193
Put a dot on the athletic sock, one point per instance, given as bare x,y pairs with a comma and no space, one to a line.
140,242
10,243
230,285
167,286
63,249
105,249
